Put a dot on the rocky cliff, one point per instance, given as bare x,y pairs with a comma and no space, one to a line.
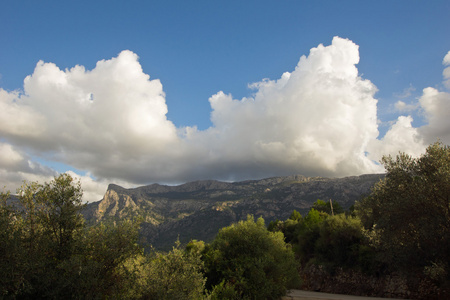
197,210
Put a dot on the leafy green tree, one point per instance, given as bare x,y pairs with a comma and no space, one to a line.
409,211
341,242
289,227
52,223
47,253
60,203
314,218
175,275
12,264
30,233
295,216
195,246
53,216
108,263
247,261
323,206
225,291
307,234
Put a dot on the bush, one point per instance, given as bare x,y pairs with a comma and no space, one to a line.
339,242
246,259
48,253
331,208
174,275
306,235
409,210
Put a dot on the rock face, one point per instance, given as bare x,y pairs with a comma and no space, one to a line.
197,210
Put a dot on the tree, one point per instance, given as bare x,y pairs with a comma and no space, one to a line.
323,206
175,275
340,242
246,260
40,228
47,252
307,233
12,263
108,264
60,204
289,227
410,209
295,216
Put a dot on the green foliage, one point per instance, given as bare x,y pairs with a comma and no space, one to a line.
306,235
43,227
339,242
332,241
195,246
289,227
328,207
60,204
108,260
174,275
246,259
295,216
301,232
48,253
11,249
409,211
225,291
314,218
274,225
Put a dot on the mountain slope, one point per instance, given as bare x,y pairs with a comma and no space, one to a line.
197,210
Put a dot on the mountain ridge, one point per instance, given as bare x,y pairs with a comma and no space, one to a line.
198,209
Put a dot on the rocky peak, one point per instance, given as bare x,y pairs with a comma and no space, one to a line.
197,210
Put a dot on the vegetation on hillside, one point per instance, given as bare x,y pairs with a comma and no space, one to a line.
402,227
249,262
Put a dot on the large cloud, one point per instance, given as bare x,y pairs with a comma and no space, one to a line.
316,120
320,119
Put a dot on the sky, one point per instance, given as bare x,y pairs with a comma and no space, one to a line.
142,92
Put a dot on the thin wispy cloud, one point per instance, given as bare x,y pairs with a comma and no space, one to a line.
406,93
404,107
446,73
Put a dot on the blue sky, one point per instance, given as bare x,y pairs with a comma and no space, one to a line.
199,48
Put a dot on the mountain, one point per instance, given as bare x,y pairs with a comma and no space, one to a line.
197,210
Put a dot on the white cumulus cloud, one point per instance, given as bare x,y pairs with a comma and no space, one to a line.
319,119
436,106
401,137
316,120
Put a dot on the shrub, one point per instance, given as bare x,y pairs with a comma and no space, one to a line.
409,210
175,275
339,242
246,259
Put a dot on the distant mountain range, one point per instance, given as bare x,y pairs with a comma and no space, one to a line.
197,210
